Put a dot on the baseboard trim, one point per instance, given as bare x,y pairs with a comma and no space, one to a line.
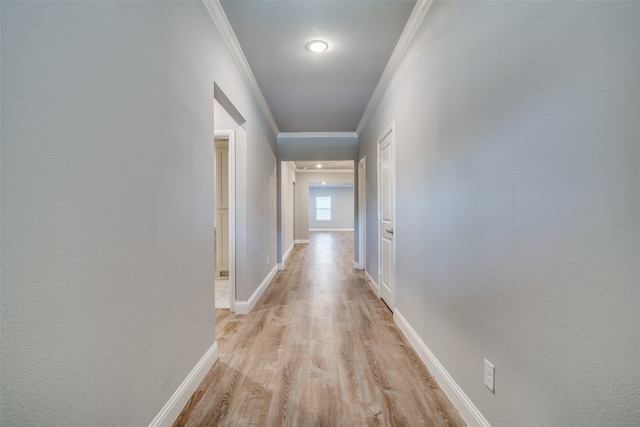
181,396
372,283
460,400
331,229
285,257
245,307
301,242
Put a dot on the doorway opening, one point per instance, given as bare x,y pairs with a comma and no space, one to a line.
229,133
315,197
221,221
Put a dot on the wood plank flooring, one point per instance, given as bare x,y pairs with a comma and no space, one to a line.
319,349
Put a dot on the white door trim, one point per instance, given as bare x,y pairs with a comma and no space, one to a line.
390,130
231,136
362,213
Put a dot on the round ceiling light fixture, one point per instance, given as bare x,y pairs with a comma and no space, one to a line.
317,46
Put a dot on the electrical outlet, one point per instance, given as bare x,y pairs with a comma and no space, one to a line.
489,376
267,260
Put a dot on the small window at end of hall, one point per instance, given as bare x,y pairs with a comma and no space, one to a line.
323,208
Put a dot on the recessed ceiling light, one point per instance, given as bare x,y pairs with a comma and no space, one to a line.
318,165
317,46
323,183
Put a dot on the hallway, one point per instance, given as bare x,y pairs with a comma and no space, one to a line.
319,349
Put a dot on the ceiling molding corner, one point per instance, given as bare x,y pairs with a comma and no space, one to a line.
413,23
222,22
300,135
325,171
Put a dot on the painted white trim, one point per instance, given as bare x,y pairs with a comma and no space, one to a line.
301,242
245,307
331,229
460,400
298,135
183,393
413,23
324,171
331,185
362,213
285,256
222,22
374,285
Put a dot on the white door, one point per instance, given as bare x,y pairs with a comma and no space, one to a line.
386,214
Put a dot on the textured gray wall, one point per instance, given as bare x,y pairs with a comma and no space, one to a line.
107,205
302,196
518,204
341,207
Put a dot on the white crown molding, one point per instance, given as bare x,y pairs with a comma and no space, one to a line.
300,135
222,22
325,170
331,229
413,23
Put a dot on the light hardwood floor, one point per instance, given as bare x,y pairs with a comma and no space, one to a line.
319,349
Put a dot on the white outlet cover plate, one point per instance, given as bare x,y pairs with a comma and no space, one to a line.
489,375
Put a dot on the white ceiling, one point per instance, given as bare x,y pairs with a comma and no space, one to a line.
310,92
326,166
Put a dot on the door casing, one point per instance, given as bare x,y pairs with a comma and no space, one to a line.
362,214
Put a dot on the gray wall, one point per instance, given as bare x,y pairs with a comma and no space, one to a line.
303,179
341,207
287,212
107,205
518,204
331,146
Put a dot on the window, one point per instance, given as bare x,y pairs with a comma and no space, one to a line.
323,208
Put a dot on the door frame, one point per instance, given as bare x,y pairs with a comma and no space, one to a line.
230,135
390,130
362,213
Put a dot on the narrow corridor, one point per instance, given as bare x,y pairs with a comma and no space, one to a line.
318,349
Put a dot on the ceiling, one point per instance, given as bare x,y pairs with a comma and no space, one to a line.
326,166
317,92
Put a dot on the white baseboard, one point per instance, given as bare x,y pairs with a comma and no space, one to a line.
181,396
331,229
460,400
372,283
285,257
245,307
301,241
